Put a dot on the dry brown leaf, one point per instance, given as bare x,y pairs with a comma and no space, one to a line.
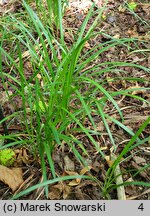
139,160
85,169
109,161
143,173
22,157
71,173
74,182
87,45
57,190
66,191
130,189
18,153
87,185
54,194
138,91
121,9
4,96
100,127
117,36
133,32
69,164
11,177
25,157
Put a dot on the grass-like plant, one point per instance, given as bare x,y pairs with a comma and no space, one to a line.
53,97
110,179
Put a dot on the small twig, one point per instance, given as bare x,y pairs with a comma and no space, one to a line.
117,173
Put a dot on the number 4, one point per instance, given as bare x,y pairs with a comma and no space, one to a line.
141,207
